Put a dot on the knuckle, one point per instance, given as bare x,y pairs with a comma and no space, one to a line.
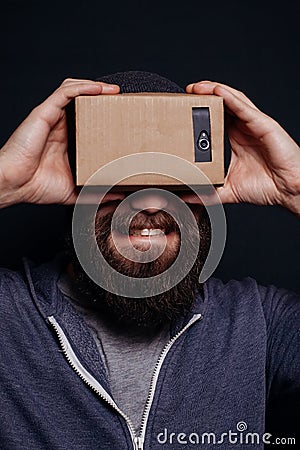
67,81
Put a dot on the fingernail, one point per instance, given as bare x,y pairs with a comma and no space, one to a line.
110,87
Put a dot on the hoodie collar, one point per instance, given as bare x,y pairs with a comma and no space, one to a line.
42,281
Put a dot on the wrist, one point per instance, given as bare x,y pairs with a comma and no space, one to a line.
292,199
8,195
4,201
294,204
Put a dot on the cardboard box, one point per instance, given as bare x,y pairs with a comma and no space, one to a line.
111,126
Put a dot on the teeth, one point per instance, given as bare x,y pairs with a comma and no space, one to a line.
147,232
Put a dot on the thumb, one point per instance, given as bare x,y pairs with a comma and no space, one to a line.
72,198
225,194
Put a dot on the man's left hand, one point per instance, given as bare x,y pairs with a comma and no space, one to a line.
265,160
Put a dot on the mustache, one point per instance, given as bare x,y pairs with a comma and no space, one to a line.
160,220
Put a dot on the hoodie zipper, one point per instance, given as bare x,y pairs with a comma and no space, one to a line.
155,375
138,441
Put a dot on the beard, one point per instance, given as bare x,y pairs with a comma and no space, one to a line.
152,310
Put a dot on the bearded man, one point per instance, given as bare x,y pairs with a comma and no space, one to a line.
83,367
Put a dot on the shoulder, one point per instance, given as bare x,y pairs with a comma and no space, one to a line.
10,280
13,292
25,289
279,307
269,296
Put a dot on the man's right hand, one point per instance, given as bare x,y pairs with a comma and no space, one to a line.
34,165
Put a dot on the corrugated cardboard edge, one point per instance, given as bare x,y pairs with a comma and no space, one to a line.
214,170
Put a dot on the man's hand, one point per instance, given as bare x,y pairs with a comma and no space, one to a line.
34,164
265,161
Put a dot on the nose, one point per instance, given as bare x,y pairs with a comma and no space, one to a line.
149,202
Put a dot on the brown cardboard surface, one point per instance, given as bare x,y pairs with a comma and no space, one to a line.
112,126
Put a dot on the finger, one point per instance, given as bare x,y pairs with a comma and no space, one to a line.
191,199
51,110
43,118
66,92
256,121
76,80
69,81
97,196
258,124
213,196
226,195
208,87
92,196
205,196
252,117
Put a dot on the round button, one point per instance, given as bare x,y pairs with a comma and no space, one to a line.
203,143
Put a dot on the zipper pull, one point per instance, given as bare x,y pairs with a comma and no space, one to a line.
138,443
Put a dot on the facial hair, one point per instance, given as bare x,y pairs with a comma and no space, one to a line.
149,311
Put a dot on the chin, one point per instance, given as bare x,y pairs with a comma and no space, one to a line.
160,254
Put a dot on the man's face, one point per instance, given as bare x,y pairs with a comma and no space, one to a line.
150,242
147,247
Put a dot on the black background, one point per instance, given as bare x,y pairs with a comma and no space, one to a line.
254,48
251,46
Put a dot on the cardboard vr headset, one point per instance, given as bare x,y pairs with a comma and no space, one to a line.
109,127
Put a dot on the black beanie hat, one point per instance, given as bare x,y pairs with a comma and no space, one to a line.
138,81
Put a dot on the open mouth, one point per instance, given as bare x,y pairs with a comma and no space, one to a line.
144,229
145,236
147,232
